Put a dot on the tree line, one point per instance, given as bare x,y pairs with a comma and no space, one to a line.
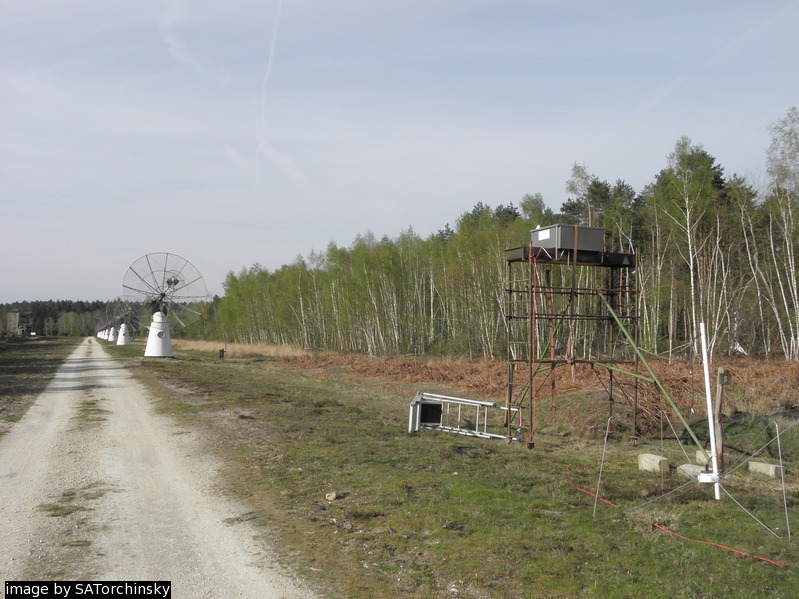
711,248
67,318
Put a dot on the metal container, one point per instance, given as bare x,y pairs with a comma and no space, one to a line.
562,237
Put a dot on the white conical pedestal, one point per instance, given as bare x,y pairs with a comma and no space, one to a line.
112,334
124,336
159,342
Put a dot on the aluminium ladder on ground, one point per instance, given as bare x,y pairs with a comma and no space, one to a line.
454,415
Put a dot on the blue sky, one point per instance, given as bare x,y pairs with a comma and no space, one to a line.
240,131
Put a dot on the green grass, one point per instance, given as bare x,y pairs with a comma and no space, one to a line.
76,543
26,367
416,516
748,434
59,510
90,413
67,503
419,516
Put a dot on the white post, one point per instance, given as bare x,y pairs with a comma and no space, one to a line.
710,420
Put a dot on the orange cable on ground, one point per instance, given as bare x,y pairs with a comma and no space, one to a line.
671,532
765,559
586,491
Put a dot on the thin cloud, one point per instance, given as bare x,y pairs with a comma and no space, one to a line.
251,131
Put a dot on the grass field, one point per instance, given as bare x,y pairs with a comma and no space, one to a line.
317,445
322,455
26,366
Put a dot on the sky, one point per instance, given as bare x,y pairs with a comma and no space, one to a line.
242,132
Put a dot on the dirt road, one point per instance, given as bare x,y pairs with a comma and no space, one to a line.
93,485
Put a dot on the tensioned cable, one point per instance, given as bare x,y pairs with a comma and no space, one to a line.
748,512
676,436
671,532
672,492
764,498
755,454
602,464
747,452
739,552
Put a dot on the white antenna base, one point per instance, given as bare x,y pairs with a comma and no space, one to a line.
159,341
124,336
112,334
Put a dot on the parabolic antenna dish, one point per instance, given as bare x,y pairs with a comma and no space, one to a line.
166,283
117,311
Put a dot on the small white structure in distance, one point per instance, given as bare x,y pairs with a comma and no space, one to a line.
124,336
112,334
159,341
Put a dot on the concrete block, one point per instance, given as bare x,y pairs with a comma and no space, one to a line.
772,470
650,462
690,470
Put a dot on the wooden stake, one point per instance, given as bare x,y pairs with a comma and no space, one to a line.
722,379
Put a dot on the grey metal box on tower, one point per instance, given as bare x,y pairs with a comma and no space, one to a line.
565,237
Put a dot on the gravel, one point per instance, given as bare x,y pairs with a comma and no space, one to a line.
95,486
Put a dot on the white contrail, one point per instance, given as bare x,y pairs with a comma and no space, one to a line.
262,141
177,50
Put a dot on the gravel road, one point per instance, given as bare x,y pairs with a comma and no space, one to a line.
95,486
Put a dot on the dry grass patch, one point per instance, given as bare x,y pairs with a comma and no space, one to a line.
758,387
317,447
240,350
26,367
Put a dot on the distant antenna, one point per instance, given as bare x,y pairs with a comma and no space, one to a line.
118,314
169,292
124,334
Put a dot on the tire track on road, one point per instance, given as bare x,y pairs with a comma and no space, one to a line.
93,485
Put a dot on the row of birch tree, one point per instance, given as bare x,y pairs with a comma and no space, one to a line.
712,248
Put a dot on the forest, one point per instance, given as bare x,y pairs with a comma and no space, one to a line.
53,317
710,247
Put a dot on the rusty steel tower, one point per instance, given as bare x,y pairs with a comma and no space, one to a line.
567,301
